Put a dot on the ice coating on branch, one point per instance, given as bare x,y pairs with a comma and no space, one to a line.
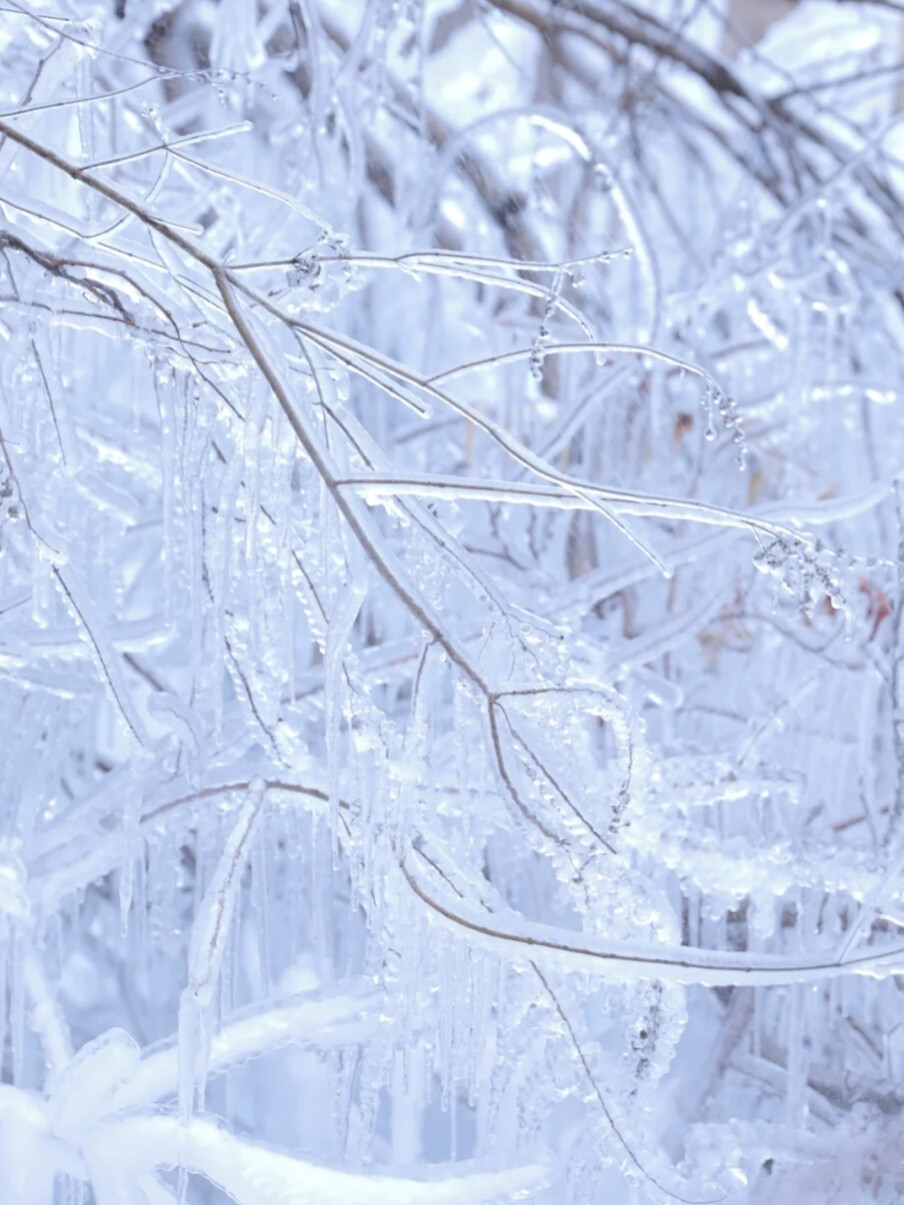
254,1175
322,1022
210,934
429,770
86,1088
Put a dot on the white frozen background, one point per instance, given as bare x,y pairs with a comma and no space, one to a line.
451,646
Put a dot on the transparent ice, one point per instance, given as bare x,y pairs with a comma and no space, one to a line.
451,658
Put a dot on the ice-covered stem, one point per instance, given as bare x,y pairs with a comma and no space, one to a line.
230,287
19,941
486,893
317,1021
381,371
356,517
631,960
252,1174
601,1100
46,1016
227,285
208,944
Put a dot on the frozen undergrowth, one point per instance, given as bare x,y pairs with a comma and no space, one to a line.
451,665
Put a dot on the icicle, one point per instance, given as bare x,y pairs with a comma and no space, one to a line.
219,562
168,463
41,589
341,623
55,395
483,977
344,1066
407,1105
708,402
132,847
208,944
17,1010
260,907
6,940
81,608
449,990
796,1097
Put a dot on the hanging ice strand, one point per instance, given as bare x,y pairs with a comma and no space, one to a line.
189,573
544,334
714,400
209,935
341,625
